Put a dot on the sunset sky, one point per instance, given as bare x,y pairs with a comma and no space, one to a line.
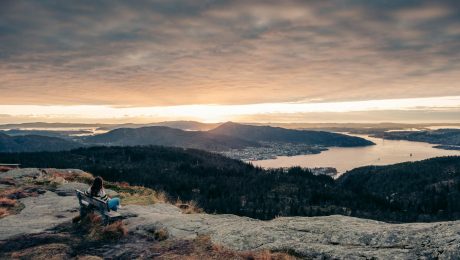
249,61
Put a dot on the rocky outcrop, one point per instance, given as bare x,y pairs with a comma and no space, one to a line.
332,236
310,237
39,214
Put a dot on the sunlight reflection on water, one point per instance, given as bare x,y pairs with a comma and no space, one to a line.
344,159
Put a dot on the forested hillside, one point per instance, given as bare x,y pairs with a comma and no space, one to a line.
34,143
419,191
283,135
426,189
161,135
447,137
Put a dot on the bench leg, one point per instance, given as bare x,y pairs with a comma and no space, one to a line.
83,212
106,219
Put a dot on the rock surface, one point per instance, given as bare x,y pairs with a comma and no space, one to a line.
311,237
68,189
332,236
40,213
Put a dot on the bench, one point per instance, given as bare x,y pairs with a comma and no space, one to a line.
89,204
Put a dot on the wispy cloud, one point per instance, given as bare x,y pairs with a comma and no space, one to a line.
252,112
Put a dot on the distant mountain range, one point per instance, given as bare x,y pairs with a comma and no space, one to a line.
183,125
65,134
166,136
37,125
223,137
34,143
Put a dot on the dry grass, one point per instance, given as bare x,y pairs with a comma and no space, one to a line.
162,197
8,206
161,234
19,193
7,181
6,168
60,176
89,257
4,212
13,193
266,255
5,202
92,225
137,195
203,248
114,231
52,251
189,207
8,199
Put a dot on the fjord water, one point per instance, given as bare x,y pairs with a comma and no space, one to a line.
344,159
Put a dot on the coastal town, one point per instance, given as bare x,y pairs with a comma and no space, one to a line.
271,150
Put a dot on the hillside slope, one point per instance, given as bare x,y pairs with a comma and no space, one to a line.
445,137
34,143
427,189
418,191
283,135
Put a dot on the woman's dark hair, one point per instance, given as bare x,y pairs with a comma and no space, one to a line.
96,187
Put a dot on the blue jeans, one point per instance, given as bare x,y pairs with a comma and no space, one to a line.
113,203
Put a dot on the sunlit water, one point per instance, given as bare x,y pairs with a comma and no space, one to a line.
344,159
86,130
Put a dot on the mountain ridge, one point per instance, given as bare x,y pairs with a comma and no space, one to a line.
34,143
167,136
278,134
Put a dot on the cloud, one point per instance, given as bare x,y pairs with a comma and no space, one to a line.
441,107
226,52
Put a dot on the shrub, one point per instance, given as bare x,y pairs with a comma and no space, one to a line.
114,231
43,252
93,226
3,212
20,193
5,202
190,207
8,181
137,195
59,176
161,234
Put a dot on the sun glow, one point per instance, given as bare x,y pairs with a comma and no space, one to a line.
219,113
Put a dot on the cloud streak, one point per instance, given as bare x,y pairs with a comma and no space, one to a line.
220,113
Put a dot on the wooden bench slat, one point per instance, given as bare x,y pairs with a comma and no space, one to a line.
113,214
100,205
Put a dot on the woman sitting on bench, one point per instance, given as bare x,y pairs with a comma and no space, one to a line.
97,191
